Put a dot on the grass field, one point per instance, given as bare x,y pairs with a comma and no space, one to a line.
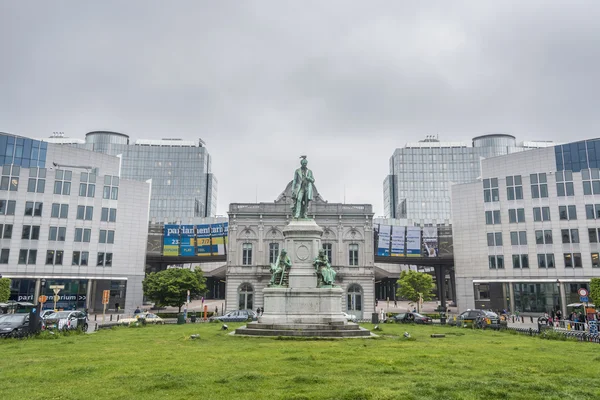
161,362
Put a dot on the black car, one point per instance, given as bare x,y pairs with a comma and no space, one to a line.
480,318
66,320
14,325
412,317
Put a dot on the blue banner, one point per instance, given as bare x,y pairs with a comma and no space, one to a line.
397,241
384,240
413,241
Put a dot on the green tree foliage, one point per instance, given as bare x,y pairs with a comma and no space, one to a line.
595,291
169,287
413,284
4,289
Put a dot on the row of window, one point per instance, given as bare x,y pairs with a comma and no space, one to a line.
274,253
565,213
62,184
56,257
542,237
35,209
572,260
59,233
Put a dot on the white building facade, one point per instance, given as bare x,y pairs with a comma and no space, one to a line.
526,233
256,238
68,219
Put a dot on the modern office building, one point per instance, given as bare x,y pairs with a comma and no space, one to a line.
256,238
183,185
526,233
418,185
68,219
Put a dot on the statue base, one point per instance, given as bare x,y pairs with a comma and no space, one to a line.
302,306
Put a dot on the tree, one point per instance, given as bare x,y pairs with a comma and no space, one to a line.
4,290
169,287
595,291
414,285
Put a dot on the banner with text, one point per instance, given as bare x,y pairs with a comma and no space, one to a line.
430,241
195,240
398,241
383,242
413,241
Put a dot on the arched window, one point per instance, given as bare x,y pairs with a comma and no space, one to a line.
245,297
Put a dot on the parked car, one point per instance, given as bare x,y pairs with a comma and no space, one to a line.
67,320
14,325
46,313
149,317
236,316
412,317
349,317
481,318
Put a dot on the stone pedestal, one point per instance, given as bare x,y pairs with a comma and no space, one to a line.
302,306
302,242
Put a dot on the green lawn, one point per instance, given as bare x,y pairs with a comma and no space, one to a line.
161,362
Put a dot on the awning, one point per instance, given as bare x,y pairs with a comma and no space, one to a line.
580,305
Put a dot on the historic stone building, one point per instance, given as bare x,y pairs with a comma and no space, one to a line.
255,239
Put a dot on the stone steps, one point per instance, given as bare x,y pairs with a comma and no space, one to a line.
335,330
305,327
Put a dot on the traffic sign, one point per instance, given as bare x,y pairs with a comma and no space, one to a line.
582,292
43,299
583,299
105,296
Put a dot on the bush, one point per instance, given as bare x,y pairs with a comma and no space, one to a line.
199,315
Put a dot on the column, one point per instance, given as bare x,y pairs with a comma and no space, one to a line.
453,285
563,299
511,295
36,292
88,296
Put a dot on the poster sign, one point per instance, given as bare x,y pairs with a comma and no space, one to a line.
413,241
430,241
171,240
187,242
195,240
384,240
398,241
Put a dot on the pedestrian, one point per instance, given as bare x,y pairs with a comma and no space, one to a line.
262,310
217,310
258,311
395,303
137,310
558,314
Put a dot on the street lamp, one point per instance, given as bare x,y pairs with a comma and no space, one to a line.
43,291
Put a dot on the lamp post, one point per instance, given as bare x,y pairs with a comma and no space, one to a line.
43,291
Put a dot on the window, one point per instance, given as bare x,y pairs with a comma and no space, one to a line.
492,217
494,239
82,235
59,210
572,260
57,233
85,212
482,291
490,190
111,189
247,254
328,247
4,256
87,185
591,181
245,297
518,238
516,215
539,186
592,211
564,183
37,180
27,256
545,260
80,258
10,178
353,254
6,231
514,188
54,257
273,251
543,237
593,235
496,262
567,212
31,232
541,213
109,237
62,182
569,235
33,208
520,261
108,214
7,207
595,262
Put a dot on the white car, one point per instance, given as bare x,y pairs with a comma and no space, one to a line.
349,317
150,319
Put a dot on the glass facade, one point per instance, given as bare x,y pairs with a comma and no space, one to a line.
183,186
578,155
418,186
21,151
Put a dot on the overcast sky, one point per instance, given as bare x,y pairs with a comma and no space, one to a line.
263,82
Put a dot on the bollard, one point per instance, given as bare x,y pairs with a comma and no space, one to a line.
117,318
95,317
531,318
96,327
522,319
513,319
111,317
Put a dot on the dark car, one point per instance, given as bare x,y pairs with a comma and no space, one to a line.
236,316
480,318
14,325
412,317
66,320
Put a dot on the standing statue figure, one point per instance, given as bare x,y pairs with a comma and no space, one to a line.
325,274
302,189
279,269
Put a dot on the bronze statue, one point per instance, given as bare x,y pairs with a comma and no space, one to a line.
302,189
325,274
279,269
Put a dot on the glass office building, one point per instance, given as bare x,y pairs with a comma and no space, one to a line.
418,185
183,185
